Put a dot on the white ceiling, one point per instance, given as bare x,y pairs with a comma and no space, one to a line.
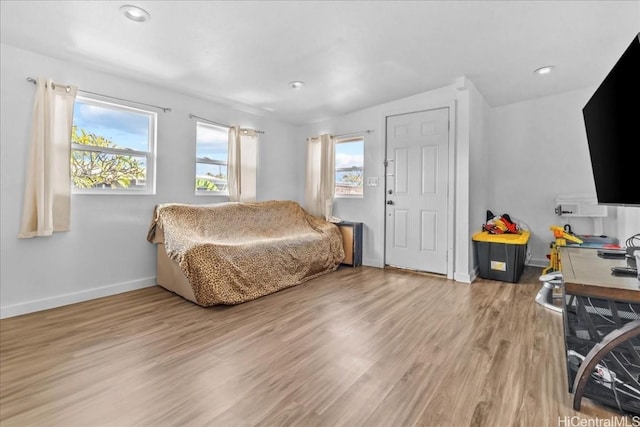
351,54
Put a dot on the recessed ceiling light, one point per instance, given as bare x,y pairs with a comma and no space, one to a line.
544,70
135,13
297,84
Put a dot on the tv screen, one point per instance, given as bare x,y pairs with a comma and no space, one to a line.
612,123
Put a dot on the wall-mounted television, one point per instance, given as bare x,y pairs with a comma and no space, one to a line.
612,122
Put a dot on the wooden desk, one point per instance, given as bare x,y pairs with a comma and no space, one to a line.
602,325
585,273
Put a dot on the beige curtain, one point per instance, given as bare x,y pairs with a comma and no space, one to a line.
320,183
47,194
234,177
242,165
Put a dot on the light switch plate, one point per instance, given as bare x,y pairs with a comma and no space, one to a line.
372,181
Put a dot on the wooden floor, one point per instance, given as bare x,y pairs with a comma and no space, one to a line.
358,347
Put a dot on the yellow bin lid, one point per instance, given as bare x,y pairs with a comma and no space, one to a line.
511,239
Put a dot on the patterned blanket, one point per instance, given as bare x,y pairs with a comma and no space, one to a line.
236,252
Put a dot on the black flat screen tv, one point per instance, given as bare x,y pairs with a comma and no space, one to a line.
612,123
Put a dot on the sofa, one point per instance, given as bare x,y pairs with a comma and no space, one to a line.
234,252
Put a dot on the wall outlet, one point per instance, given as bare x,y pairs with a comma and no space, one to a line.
372,181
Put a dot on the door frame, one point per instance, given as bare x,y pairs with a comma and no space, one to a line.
451,185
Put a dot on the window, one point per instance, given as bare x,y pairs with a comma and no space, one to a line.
112,148
349,167
211,159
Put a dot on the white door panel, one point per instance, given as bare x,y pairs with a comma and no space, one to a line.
416,185
400,229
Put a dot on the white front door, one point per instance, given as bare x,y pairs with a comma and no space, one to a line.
416,189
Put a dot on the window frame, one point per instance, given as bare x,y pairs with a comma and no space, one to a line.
150,156
207,161
335,169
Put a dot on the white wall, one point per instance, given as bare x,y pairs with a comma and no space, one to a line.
537,151
370,209
106,252
628,223
513,159
479,170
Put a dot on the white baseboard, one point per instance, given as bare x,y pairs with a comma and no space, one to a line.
463,277
538,262
372,262
474,274
74,297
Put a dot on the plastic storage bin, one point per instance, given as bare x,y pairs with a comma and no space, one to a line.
501,256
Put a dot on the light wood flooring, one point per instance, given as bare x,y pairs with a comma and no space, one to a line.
358,347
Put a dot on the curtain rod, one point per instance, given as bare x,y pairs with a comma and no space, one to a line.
193,116
165,109
353,133
345,134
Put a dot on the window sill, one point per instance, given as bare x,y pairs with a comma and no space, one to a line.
212,193
105,192
347,196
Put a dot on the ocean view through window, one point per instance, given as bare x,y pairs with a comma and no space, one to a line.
349,163
211,159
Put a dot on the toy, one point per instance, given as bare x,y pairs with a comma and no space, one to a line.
561,236
500,224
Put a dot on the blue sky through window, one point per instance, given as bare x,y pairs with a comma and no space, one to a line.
125,129
350,154
211,142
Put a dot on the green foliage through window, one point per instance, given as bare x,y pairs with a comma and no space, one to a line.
103,169
112,148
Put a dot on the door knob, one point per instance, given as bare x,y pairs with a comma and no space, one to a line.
389,202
